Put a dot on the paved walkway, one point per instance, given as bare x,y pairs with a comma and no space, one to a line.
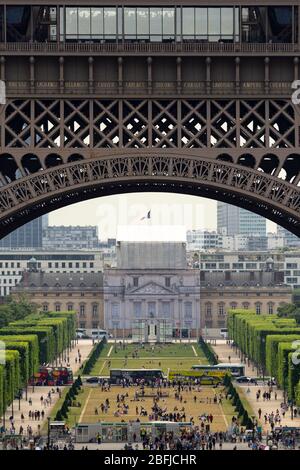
120,446
35,393
223,351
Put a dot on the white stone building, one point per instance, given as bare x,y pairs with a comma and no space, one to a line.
152,293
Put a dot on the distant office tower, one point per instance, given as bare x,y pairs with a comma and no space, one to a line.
289,239
29,235
234,220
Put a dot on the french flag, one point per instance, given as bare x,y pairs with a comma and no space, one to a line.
148,216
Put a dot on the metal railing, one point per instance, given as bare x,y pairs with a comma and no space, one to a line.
153,47
139,88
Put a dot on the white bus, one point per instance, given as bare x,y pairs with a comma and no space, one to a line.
91,333
224,333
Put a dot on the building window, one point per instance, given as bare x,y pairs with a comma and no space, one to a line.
151,309
82,324
188,310
137,309
57,307
82,310
270,308
166,310
208,311
221,310
135,282
258,308
233,305
115,310
95,310
167,281
45,307
95,325
70,307
246,305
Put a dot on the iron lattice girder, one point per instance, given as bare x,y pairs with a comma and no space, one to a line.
29,197
142,123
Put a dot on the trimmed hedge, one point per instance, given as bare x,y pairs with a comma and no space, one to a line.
33,344
62,413
30,342
267,341
2,372
293,377
23,349
11,376
297,393
208,352
93,357
272,343
45,337
237,403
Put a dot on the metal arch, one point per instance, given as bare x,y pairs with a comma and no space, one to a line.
39,193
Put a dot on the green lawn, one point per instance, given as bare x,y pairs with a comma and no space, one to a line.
74,412
132,356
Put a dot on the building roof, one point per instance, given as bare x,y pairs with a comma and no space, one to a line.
61,280
241,279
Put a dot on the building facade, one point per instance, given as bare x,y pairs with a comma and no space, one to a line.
233,220
263,292
70,238
289,239
203,240
151,292
28,236
14,263
58,292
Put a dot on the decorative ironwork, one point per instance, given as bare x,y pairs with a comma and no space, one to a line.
50,189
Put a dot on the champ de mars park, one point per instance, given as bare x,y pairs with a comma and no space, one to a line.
191,98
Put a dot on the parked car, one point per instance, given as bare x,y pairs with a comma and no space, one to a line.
246,380
92,380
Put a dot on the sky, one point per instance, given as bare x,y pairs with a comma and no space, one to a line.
110,212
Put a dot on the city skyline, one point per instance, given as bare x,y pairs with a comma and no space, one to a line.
109,212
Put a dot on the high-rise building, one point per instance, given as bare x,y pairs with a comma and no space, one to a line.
234,220
289,239
29,235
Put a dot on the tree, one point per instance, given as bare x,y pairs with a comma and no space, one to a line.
16,308
290,311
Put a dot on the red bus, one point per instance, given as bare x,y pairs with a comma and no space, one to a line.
52,376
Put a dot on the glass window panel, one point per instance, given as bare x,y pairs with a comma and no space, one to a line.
97,21
227,23
188,21
62,23
178,22
18,27
155,21
237,23
130,21
143,21
168,22
201,22
71,22
1,23
214,21
120,21
84,21
110,21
